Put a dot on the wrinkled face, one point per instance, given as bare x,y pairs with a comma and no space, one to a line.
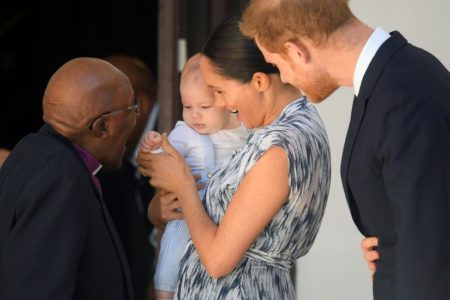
200,110
120,127
236,96
312,79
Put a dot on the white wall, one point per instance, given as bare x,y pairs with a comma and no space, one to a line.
334,269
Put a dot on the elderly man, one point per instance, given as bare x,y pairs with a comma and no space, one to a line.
57,240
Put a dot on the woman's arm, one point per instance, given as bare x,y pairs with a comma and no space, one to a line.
258,198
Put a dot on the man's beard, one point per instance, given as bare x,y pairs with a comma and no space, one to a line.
319,87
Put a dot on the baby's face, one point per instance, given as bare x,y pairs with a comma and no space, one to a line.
201,112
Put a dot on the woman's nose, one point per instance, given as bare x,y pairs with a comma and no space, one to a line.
229,106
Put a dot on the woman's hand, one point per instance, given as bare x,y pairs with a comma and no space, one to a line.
167,171
164,207
371,255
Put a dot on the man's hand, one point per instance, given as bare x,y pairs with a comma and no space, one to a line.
371,255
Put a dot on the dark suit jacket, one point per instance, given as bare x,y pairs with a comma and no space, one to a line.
396,170
127,198
57,240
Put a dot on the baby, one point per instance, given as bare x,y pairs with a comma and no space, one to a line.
206,138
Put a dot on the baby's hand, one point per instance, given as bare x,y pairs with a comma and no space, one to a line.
152,142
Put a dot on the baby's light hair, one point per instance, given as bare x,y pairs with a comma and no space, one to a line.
191,72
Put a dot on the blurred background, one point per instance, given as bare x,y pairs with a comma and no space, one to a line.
37,37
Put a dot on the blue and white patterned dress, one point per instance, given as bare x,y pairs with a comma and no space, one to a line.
263,272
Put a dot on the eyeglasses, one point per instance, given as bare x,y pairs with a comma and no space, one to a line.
136,107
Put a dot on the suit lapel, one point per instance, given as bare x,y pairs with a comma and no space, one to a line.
119,248
358,109
368,85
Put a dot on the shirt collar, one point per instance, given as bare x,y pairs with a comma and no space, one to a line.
89,160
376,39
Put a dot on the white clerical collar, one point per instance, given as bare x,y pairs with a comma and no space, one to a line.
376,39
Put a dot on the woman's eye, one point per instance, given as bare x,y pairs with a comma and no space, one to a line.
206,107
218,92
186,107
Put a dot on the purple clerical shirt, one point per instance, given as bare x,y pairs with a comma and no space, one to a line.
92,164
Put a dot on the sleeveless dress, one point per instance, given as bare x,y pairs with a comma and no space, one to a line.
204,154
263,272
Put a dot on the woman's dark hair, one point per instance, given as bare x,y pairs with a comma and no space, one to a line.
234,55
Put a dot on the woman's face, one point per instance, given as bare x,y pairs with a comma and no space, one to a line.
236,96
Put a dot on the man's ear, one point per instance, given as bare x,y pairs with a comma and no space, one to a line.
297,52
100,128
260,81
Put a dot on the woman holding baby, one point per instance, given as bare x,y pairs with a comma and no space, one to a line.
263,209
